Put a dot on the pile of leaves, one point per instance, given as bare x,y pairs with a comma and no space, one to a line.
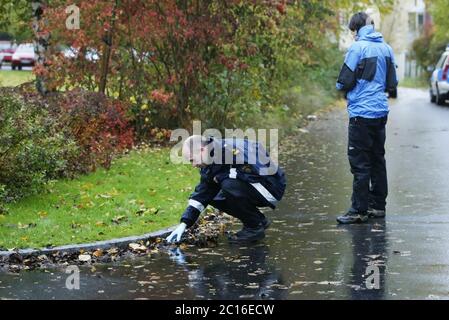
205,233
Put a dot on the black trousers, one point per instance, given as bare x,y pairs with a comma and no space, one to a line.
366,153
241,200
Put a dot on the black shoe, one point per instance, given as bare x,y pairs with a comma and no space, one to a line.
265,224
375,213
353,217
248,235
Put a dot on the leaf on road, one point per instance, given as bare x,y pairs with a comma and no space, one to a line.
98,253
137,247
84,257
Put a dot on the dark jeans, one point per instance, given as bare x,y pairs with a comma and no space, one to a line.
241,200
366,153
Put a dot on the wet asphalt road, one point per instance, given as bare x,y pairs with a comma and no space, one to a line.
305,254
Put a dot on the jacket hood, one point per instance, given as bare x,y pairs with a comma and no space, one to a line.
368,33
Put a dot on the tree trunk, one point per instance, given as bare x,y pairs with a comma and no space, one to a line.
41,44
107,52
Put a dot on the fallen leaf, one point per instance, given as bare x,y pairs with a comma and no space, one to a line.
42,214
84,257
119,219
98,253
112,251
137,247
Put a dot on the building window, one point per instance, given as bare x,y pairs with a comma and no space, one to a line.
412,22
420,21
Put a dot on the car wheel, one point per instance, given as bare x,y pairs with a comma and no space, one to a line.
440,99
433,98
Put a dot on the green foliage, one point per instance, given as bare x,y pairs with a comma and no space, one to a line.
439,10
428,48
15,17
272,76
33,149
61,135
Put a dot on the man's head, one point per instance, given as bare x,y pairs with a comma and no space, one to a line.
359,20
196,150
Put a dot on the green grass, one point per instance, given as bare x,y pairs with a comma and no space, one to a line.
414,83
142,192
14,78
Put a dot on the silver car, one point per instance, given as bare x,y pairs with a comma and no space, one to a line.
439,81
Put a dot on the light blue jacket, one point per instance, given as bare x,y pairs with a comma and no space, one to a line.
367,73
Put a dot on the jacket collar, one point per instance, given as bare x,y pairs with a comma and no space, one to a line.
365,31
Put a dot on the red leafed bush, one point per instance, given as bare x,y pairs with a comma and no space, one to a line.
161,96
100,126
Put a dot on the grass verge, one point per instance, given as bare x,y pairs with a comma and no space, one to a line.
142,192
10,78
414,83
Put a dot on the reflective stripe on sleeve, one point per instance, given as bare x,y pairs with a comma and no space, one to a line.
196,204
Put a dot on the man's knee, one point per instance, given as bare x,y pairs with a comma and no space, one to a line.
233,188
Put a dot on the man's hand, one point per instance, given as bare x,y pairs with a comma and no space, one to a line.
177,233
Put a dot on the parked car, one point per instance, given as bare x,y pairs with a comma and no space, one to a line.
439,81
72,53
24,56
6,55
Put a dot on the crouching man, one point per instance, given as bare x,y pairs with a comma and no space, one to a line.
237,177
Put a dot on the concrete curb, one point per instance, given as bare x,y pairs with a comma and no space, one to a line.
106,244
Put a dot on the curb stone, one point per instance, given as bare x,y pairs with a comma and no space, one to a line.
105,244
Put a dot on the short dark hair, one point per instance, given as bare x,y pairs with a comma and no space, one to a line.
359,20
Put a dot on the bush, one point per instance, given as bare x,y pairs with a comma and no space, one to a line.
33,149
99,126
64,134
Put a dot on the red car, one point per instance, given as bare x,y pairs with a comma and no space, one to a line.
6,52
6,55
24,56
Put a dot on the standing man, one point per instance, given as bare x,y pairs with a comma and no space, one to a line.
237,177
367,74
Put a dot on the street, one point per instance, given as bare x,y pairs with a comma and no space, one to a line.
7,67
306,255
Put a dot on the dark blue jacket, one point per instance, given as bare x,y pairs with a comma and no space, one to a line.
368,72
240,159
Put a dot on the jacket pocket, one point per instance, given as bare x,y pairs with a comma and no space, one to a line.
366,69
